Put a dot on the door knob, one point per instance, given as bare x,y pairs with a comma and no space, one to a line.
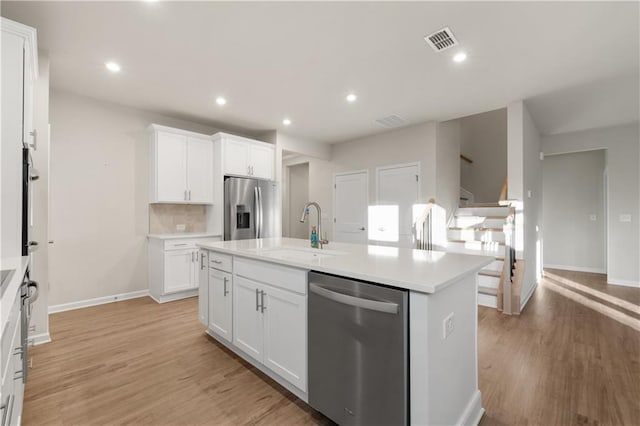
362,229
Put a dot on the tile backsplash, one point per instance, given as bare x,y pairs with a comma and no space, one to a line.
164,218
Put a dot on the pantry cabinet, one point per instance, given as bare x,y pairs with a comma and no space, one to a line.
181,166
246,157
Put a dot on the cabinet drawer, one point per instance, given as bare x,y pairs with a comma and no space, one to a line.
284,277
11,327
187,243
221,261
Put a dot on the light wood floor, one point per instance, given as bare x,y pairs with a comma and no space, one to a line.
137,362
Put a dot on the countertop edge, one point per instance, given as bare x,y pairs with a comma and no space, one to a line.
13,287
427,289
182,236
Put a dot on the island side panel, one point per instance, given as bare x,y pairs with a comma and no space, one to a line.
444,372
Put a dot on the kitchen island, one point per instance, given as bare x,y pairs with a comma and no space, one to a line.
254,297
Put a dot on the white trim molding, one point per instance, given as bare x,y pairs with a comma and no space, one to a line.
524,302
576,268
626,283
39,339
96,301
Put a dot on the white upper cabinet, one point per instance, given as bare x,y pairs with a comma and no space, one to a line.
181,167
246,157
200,170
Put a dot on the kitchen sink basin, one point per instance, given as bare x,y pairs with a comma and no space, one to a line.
298,253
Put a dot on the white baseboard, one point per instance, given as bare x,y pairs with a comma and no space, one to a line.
174,296
625,283
39,339
576,268
97,301
524,302
473,412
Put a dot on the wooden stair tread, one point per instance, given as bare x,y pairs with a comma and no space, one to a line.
496,204
488,290
476,215
490,273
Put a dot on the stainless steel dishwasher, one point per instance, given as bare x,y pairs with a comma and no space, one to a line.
358,351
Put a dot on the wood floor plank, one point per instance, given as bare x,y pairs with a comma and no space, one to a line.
140,363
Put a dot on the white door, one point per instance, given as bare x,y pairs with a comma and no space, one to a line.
220,303
172,167
236,157
285,335
397,186
247,318
351,204
178,270
200,170
203,287
261,161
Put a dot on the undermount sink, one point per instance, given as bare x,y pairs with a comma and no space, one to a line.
298,253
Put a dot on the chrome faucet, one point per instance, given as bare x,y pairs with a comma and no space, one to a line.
303,218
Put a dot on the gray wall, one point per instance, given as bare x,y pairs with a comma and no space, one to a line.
298,191
573,192
99,196
484,140
622,145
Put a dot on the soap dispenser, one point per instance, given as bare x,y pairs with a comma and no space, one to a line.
314,238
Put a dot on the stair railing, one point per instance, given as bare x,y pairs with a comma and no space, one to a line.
423,227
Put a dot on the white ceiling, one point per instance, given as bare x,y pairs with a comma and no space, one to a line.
300,59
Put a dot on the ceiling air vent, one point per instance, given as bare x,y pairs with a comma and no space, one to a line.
441,40
391,121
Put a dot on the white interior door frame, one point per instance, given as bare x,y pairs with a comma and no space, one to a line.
397,166
352,172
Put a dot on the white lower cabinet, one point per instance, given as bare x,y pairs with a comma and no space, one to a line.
175,267
261,308
179,270
285,335
203,288
220,303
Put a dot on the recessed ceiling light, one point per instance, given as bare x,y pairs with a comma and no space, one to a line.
286,121
112,66
352,97
460,57
221,101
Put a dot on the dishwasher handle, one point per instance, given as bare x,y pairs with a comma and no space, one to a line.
374,305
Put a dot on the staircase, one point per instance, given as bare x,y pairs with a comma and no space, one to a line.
478,229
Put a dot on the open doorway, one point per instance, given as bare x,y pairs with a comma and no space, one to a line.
483,157
575,211
295,195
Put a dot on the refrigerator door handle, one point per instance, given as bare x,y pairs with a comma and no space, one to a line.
256,213
261,211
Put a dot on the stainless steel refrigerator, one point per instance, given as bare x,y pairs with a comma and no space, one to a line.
251,209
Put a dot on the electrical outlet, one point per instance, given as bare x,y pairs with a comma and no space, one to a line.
448,326
625,218
181,227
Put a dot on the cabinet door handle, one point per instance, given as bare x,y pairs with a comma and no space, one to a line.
189,195
185,195
262,307
201,261
224,280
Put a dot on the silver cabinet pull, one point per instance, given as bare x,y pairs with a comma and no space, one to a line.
224,280
217,262
201,261
189,195
181,244
185,195
262,307
362,229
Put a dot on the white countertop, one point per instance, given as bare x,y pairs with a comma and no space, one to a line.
416,270
183,235
19,265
